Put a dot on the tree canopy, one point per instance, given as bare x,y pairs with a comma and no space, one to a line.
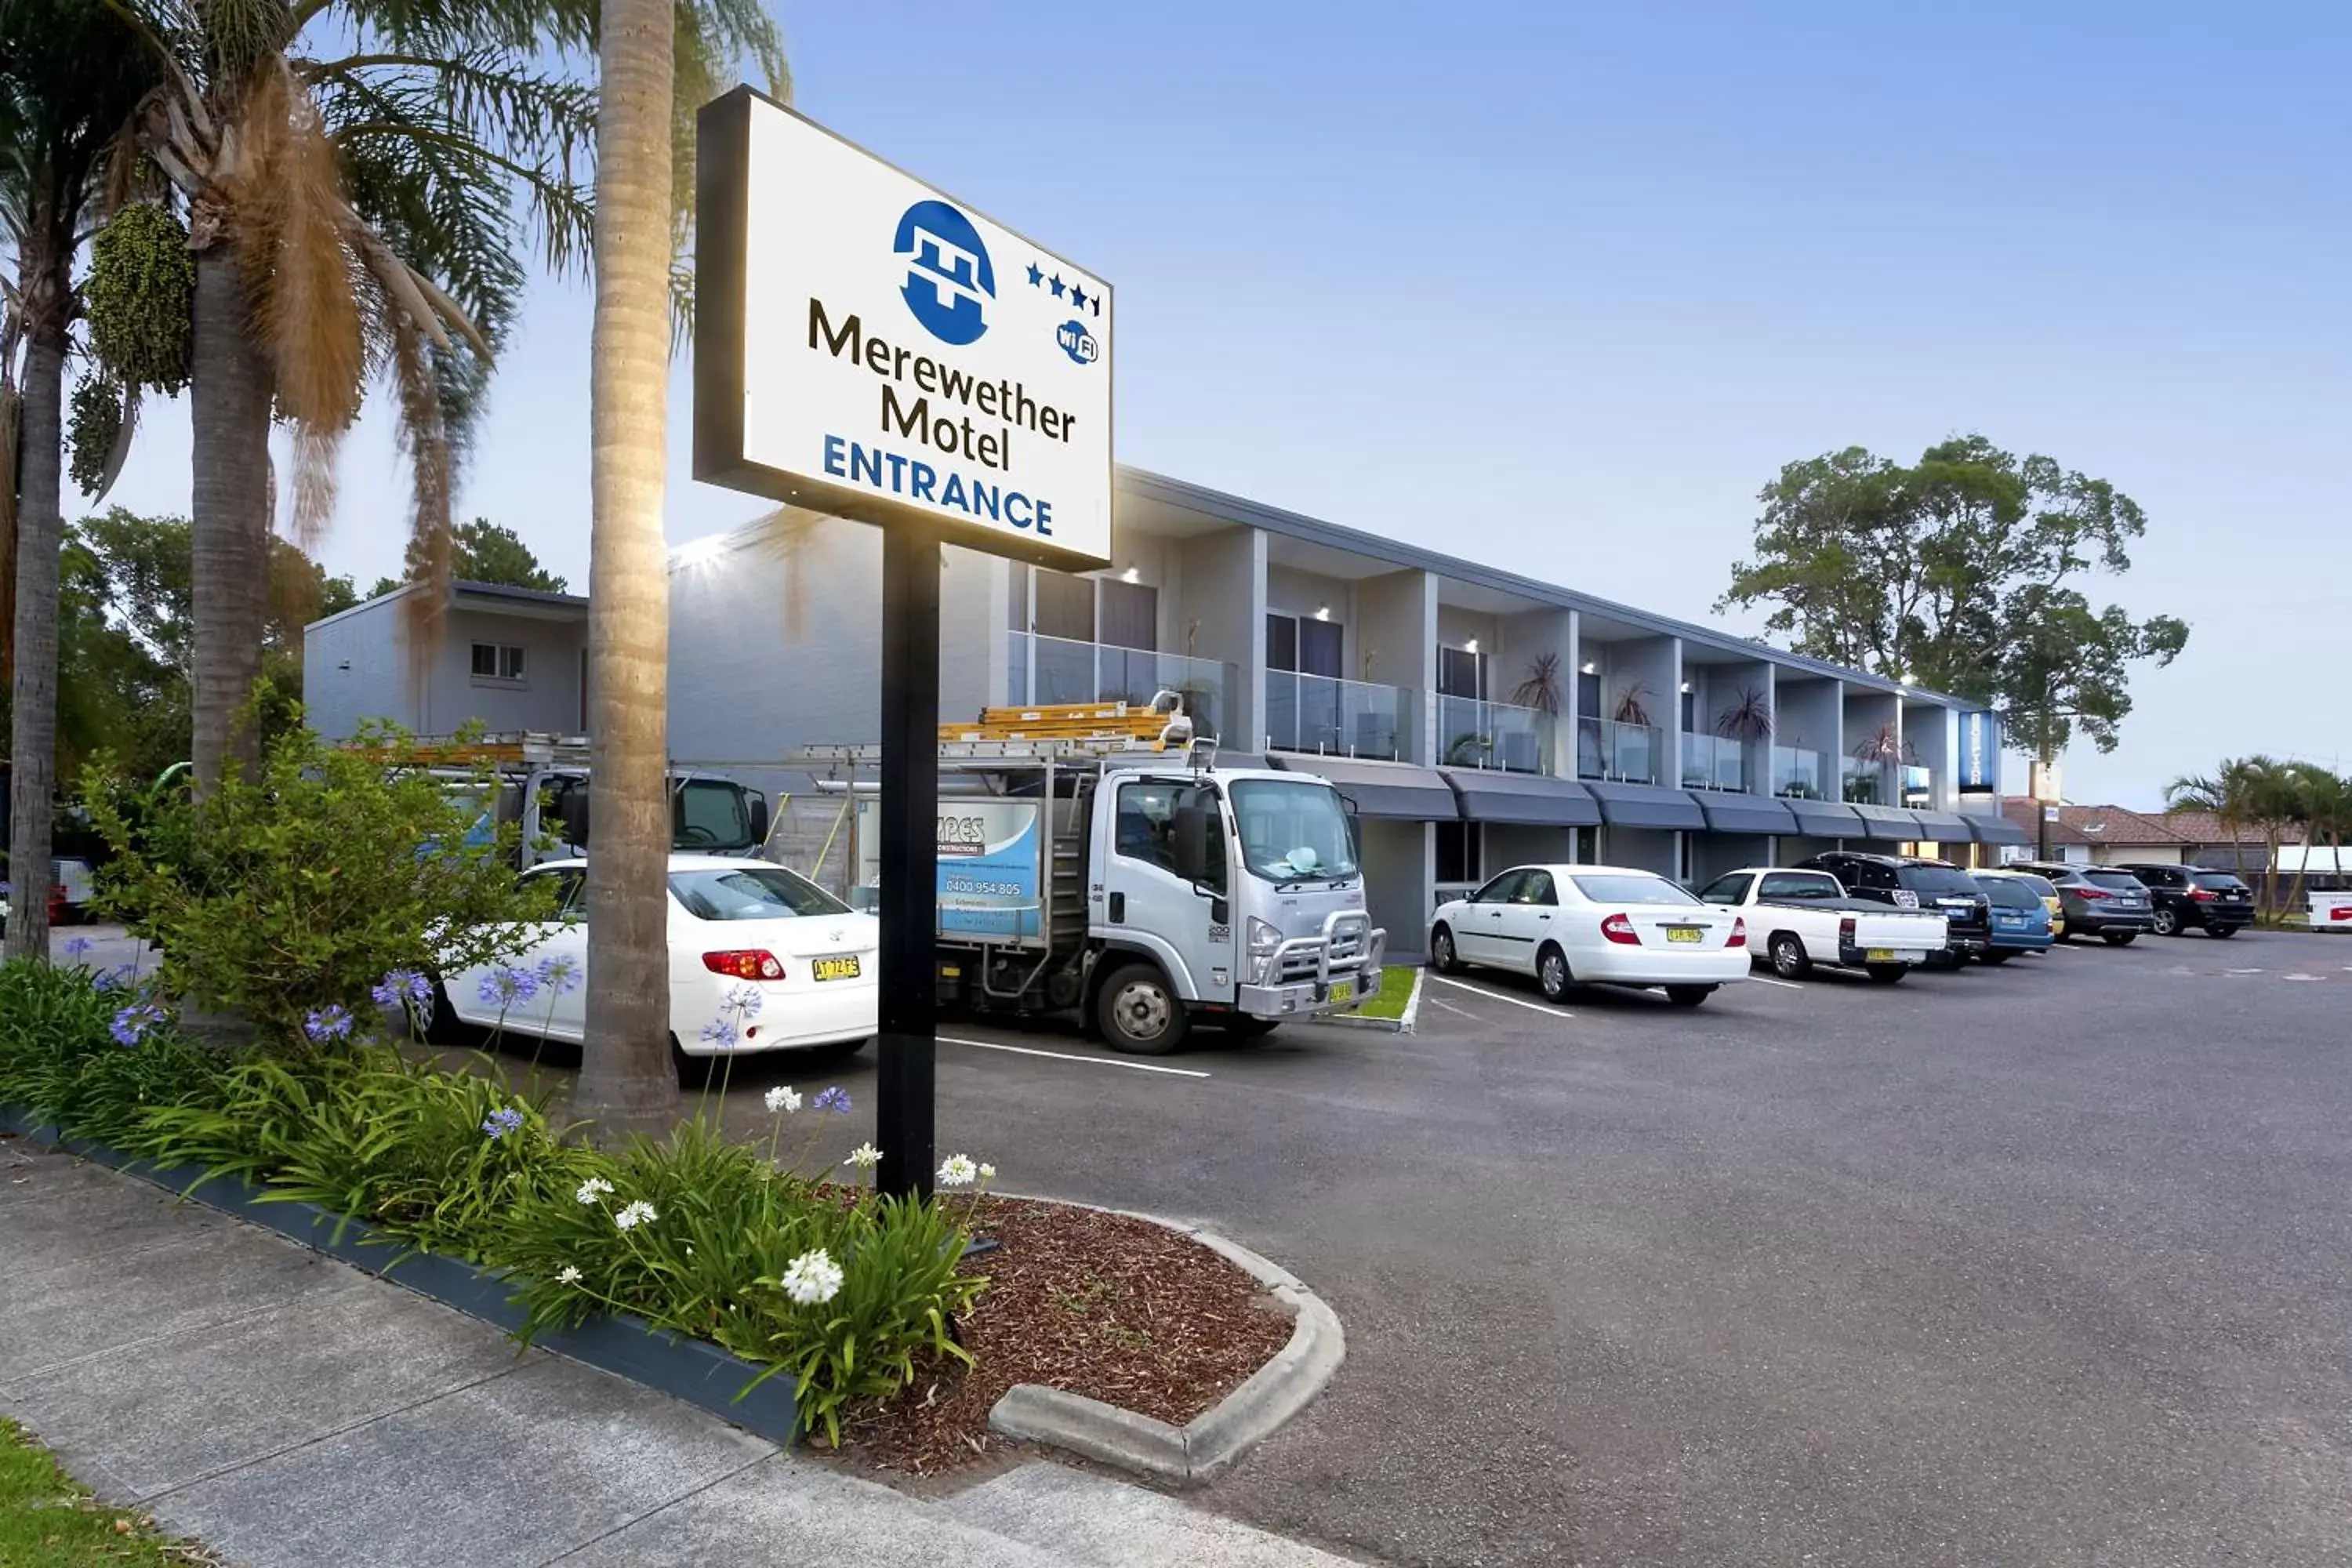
485,551
1960,572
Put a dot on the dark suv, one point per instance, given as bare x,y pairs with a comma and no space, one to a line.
2104,901
1909,882
2192,897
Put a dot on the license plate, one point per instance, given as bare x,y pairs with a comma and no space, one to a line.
1685,933
835,969
1343,991
1882,955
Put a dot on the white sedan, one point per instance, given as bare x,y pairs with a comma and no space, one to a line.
1608,925
760,959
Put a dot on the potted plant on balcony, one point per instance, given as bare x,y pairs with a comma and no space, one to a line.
1881,747
1750,716
1632,700
1541,689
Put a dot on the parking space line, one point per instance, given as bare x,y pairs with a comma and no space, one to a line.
1783,984
1457,1012
1073,1056
1544,1008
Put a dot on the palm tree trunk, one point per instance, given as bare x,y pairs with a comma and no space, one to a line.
229,396
33,741
626,1080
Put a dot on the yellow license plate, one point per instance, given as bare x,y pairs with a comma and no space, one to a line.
1685,933
1879,955
837,969
1343,991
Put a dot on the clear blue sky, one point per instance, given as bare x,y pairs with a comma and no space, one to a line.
1559,286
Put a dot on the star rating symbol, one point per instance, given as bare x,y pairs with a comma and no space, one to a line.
1077,297
1036,274
1063,289
1057,285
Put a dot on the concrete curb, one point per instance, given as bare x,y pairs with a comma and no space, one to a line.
1400,1026
1212,1441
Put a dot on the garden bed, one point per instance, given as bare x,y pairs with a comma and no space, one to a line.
1106,1305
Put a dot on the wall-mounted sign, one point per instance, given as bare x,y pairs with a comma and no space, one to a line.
2043,783
867,346
1980,769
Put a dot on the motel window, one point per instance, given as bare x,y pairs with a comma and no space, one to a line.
1460,851
498,661
1066,607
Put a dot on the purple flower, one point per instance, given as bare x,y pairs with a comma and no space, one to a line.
835,1099
503,987
77,946
115,979
558,974
131,1024
721,1032
501,1123
328,1023
744,1000
400,987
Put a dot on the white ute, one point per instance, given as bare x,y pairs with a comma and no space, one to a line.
1797,919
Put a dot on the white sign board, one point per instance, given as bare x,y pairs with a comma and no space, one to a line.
867,346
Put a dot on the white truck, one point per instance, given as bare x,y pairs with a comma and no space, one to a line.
1798,920
1143,890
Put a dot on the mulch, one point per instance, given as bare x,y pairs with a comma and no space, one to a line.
1116,1309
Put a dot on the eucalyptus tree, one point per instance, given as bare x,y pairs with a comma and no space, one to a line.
357,179
67,81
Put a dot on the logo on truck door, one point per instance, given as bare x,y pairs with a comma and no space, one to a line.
1220,934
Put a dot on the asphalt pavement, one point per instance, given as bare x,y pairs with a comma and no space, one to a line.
2044,1265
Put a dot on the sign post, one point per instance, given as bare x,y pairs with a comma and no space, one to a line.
866,346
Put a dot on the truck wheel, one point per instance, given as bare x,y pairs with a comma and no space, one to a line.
1688,995
1886,973
1789,960
1442,957
1139,1011
2118,938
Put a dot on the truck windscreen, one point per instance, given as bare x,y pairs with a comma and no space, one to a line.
1293,830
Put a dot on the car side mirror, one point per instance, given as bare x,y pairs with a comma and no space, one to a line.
759,821
1192,843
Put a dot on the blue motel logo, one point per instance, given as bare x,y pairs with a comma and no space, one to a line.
950,280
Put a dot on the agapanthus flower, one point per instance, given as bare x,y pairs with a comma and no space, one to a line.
402,987
635,1214
721,1032
987,1171
115,979
865,1156
77,946
325,1024
568,1275
782,1101
835,1099
558,974
499,1124
813,1278
958,1170
744,1000
503,987
590,1188
131,1024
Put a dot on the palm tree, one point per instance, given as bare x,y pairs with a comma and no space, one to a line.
659,60
2255,792
351,216
67,83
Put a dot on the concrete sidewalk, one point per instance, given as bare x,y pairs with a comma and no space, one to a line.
290,1412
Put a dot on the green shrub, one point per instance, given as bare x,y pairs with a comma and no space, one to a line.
301,887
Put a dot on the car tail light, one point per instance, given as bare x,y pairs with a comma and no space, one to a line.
1620,929
2201,895
2092,894
1845,931
744,964
1738,932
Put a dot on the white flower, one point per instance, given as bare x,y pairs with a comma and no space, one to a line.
568,1275
958,1170
591,1187
636,1214
865,1156
813,1278
782,1101
987,1171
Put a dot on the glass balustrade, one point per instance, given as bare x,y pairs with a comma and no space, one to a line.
1627,753
1042,669
1714,761
1329,716
1471,733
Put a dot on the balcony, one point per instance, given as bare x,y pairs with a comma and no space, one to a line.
1918,787
1625,754
1471,733
1714,761
1056,669
1327,717
1799,773
1866,783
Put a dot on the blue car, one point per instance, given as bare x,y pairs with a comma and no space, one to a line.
2021,920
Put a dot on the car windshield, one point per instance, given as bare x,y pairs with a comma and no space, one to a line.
2117,881
1936,879
1293,830
2217,881
2009,893
751,893
708,814
1632,890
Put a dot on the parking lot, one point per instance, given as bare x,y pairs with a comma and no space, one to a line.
2044,1265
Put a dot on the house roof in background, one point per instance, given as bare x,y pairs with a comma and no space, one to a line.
2114,824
